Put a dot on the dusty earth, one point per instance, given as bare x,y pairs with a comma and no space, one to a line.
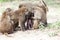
53,15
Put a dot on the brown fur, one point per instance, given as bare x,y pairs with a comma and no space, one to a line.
43,6
19,16
43,12
6,25
39,11
39,17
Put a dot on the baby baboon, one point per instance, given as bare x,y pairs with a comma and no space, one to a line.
28,17
29,20
6,24
19,16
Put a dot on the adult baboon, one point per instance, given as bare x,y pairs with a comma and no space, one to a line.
40,15
39,11
6,24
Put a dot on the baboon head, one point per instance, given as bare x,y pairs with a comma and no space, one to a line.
6,14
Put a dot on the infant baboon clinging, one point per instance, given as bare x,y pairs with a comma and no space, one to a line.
29,20
6,24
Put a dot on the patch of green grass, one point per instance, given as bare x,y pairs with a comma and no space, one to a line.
52,34
55,25
52,28
5,0
41,27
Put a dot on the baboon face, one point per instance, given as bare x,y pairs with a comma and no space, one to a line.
39,17
8,9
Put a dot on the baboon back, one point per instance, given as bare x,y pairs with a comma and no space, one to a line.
6,24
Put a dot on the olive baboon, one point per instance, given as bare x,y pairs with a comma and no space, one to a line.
28,17
42,12
39,11
19,16
39,17
6,24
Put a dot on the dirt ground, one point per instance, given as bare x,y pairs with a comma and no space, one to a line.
53,15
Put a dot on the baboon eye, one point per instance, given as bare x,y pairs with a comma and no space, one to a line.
10,15
20,6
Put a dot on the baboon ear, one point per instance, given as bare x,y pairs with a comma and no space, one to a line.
44,2
45,5
8,9
20,6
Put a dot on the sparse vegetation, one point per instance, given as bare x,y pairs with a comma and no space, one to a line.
55,3
6,0
48,2
55,25
51,30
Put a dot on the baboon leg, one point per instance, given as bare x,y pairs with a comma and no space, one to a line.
29,24
6,34
22,25
16,26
